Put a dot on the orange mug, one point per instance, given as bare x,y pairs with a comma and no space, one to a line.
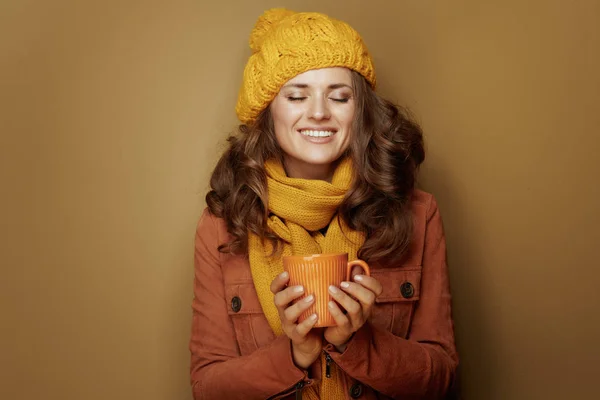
316,273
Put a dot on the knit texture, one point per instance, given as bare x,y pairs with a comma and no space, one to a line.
299,209
285,43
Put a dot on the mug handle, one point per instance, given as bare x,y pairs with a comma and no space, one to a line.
360,263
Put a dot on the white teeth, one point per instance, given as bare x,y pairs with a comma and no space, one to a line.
317,133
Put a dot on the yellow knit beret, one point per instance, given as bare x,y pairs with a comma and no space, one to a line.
285,43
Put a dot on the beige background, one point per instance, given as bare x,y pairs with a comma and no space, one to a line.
113,112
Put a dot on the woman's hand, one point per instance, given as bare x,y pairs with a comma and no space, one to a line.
365,290
307,345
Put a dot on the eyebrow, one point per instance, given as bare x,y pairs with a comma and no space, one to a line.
304,85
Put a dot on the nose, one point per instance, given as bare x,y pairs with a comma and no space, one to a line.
319,109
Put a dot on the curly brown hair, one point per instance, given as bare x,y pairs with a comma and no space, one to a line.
386,149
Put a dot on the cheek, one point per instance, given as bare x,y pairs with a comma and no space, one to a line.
285,116
345,116
283,125
281,136
346,119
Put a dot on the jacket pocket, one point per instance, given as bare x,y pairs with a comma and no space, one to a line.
395,306
251,327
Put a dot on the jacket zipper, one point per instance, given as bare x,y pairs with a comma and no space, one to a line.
299,387
328,361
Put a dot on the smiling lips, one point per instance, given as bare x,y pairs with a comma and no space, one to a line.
317,133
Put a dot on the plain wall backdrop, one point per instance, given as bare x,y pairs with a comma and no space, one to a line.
113,113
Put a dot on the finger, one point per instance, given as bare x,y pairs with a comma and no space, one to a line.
357,270
283,298
279,282
341,319
305,326
370,283
353,308
365,296
292,313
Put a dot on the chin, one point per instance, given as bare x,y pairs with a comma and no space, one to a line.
325,160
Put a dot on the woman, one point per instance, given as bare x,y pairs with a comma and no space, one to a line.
321,164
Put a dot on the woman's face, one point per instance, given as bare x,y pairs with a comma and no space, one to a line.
312,116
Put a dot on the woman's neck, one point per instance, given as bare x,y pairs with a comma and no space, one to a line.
298,169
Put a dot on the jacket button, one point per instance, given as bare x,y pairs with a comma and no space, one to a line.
356,390
236,304
407,290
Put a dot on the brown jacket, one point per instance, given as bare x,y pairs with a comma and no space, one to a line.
406,351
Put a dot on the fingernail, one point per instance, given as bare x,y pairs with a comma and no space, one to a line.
331,304
313,317
333,289
358,278
284,275
309,298
345,285
298,289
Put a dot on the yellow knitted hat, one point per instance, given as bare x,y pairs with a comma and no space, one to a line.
285,43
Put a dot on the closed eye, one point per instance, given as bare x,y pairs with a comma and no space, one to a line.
342,100
291,98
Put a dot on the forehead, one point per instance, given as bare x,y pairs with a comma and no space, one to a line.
323,77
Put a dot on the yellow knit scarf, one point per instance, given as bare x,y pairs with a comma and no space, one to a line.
300,208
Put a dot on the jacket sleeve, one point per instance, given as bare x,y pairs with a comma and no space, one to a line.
218,371
422,366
